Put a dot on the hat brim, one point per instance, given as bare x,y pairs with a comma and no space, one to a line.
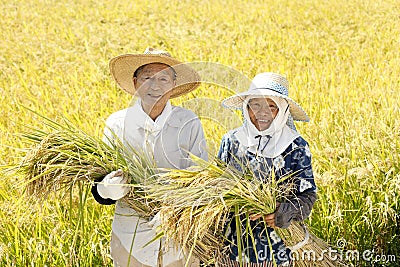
123,67
236,102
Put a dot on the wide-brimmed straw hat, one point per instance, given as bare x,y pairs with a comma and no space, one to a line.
268,84
124,66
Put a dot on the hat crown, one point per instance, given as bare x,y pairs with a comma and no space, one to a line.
153,51
272,81
124,66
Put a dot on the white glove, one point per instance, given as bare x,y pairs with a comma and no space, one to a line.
113,186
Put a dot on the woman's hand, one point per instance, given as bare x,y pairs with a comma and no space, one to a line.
269,218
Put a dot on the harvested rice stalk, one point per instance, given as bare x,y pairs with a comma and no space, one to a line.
197,202
66,155
194,204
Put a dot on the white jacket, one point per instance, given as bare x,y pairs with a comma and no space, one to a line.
170,138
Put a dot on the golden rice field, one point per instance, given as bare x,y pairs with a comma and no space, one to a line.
342,59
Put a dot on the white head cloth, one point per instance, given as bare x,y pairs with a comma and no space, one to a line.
275,139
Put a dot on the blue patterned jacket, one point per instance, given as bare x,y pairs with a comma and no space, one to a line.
294,161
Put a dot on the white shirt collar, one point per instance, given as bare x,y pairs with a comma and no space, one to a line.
139,119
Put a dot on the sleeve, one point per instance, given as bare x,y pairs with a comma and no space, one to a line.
98,198
198,146
299,207
295,210
111,131
224,152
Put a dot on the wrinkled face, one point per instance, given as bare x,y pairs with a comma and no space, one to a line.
154,83
262,111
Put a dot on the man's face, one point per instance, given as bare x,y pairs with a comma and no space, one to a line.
154,83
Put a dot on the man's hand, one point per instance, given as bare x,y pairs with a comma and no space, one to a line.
113,186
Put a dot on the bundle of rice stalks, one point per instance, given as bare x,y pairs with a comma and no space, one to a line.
199,202
309,250
195,205
65,156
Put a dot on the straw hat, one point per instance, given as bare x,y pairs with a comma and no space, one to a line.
268,84
124,66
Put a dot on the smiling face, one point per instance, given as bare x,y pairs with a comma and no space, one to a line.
154,83
262,111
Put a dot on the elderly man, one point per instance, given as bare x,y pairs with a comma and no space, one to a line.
153,126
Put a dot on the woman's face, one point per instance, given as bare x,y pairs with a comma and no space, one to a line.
262,111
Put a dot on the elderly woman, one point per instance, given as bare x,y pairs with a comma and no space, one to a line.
268,142
153,126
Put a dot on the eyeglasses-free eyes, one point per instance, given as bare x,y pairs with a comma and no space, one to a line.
255,107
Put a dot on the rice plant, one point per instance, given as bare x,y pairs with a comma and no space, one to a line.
194,204
66,156
340,56
198,203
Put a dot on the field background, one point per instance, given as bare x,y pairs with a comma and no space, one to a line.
342,60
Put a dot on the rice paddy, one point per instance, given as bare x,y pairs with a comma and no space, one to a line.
341,59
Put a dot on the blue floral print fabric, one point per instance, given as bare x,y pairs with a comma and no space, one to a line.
295,161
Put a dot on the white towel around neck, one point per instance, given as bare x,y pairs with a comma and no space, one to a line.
280,134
